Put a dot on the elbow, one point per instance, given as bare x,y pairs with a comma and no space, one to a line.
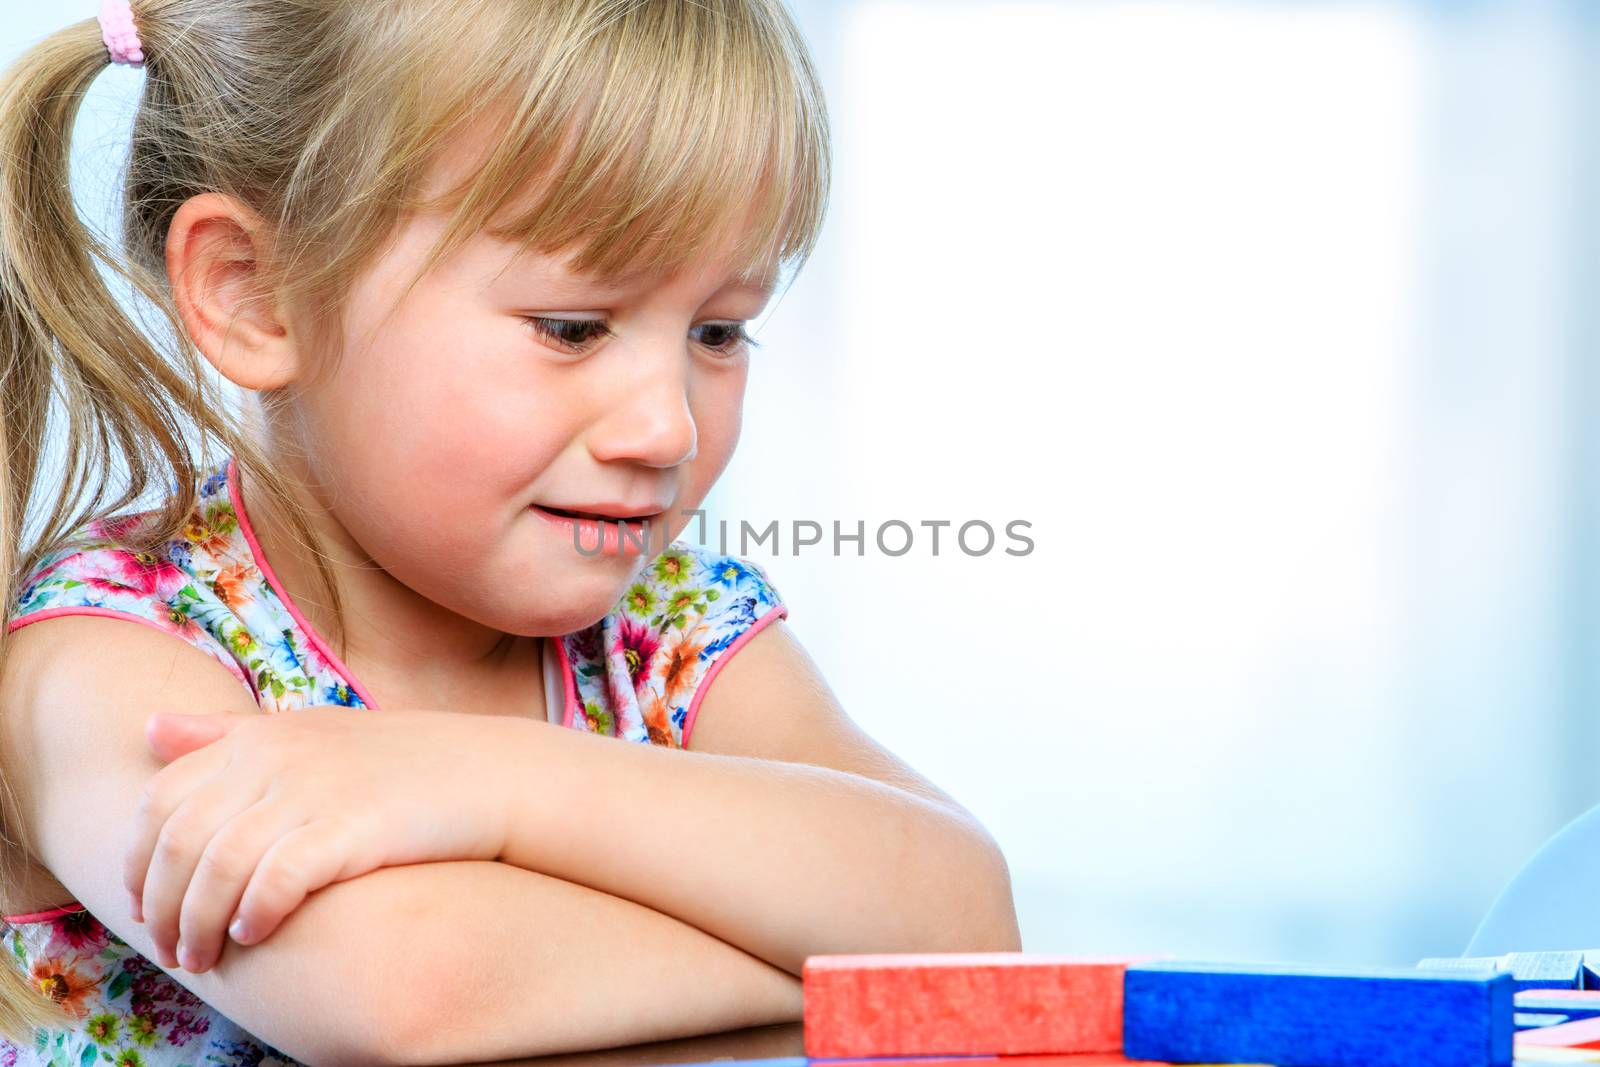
974,909
981,913
994,925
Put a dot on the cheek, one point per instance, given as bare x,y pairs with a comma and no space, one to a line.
719,415
431,420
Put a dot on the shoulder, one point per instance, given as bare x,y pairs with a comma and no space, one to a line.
92,574
78,693
642,671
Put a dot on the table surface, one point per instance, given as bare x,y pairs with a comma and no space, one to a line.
777,1041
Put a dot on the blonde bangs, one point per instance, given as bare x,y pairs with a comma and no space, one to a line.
671,128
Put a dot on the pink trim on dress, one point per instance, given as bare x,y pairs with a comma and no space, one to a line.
43,916
778,611
283,594
112,613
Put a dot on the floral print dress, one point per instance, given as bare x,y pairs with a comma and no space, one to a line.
638,675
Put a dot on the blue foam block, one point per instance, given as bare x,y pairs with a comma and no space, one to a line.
1544,970
1316,1017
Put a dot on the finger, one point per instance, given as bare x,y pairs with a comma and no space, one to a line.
223,870
171,735
162,794
317,854
187,832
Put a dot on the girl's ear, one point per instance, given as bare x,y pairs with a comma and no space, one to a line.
215,250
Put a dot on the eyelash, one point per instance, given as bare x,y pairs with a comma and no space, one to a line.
550,330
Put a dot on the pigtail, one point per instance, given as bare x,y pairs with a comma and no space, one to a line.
65,342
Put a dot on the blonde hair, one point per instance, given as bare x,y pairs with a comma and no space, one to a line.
643,126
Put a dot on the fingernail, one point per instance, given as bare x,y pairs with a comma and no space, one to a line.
239,931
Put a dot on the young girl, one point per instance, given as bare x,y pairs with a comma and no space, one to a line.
480,270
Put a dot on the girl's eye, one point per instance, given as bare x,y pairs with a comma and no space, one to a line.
728,337
574,335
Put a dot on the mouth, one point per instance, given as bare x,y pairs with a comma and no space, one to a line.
608,515
628,532
573,514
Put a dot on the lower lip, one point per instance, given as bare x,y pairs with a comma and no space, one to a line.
596,537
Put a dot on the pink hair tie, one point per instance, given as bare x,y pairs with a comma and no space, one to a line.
116,29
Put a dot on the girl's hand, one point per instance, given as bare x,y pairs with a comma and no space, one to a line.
255,811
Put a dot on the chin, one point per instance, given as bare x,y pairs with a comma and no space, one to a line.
570,600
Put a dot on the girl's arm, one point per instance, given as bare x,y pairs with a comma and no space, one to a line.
800,837
505,963
423,963
843,850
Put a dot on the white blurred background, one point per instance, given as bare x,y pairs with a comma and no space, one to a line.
1273,320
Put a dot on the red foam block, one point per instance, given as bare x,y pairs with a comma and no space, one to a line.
961,1004
1585,1033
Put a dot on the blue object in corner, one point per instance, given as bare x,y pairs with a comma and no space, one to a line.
1303,1016
1550,904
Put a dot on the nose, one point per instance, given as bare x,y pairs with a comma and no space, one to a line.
650,420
